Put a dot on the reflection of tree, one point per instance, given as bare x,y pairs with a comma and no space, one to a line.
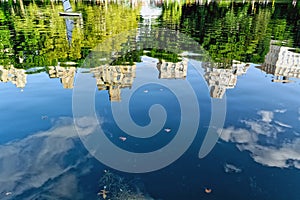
126,48
36,35
288,16
233,30
172,13
237,34
5,37
40,33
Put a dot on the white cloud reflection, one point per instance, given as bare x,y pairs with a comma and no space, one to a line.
260,138
267,116
40,161
230,168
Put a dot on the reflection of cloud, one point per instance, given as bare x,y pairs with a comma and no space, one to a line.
49,164
65,186
267,116
33,162
280,110
230,168
283,124
265,149
287,155
263,128
237,135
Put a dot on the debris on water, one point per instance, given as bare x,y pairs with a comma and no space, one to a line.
207,190
161,89
121,188
123,138
8,193
146,91
167,130
103,193
229,168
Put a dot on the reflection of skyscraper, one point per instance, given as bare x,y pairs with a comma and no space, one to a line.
282,62
13,75
221,79
114,78
66,75
169,70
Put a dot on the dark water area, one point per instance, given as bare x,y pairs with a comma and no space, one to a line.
150,100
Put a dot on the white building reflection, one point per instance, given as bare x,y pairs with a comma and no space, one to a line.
170,70
282,62
66,75
219,79
114,78
13,75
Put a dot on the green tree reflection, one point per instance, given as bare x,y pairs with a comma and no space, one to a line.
36,34
235,31
33,34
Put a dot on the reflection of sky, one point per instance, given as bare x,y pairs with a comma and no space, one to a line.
41,162
51,162
22,112
268,140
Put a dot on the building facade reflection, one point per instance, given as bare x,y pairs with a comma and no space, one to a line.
114,78
66,75
13,75
282,62
219,79
170,70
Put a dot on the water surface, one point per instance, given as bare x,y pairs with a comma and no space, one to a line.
243,54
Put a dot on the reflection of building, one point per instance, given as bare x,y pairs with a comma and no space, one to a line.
13,75
114,78
282,62
220,79
66,75
169,70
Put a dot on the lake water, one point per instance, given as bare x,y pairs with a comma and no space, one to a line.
150,100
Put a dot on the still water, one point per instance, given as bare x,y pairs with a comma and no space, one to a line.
150,100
